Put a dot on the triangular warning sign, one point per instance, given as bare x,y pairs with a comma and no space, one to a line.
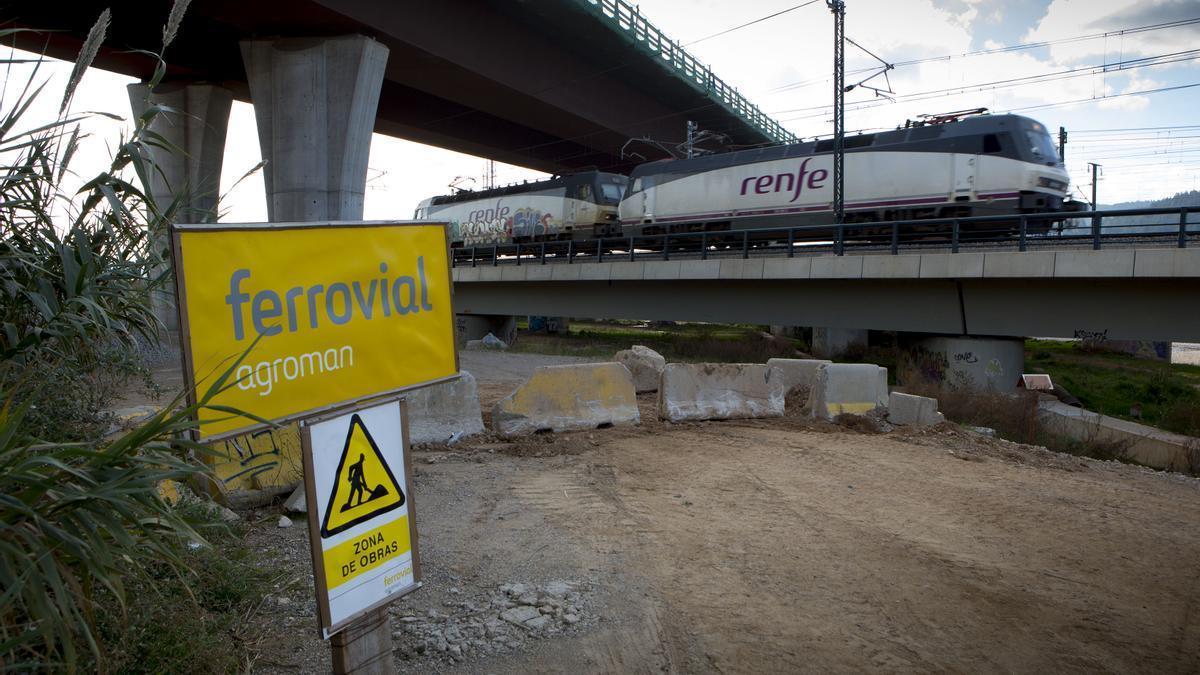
363,487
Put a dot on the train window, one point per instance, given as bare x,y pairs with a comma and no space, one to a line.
1041,147
584,192
825,145
991,143
610,193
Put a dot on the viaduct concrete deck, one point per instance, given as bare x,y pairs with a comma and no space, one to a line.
554,86
1135,294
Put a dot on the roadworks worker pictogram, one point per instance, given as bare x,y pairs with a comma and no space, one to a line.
364,486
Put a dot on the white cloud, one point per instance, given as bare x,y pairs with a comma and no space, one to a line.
1072,18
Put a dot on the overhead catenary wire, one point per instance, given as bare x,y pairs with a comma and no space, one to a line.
751,23
1000,50
1040,78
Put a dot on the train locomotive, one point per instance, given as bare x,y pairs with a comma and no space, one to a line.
944,167
575,206
977,166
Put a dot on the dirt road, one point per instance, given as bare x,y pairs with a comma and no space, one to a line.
777,546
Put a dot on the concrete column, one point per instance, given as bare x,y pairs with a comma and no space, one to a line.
980,363
195,124
315,101
829,343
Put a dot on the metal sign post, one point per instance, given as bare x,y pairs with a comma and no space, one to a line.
361,517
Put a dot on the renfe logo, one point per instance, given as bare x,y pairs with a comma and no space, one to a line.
795,182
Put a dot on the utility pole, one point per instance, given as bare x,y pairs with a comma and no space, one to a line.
1095,206
1062,144
838,7
691,138
489,178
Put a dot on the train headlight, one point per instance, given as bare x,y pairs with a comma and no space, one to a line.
1045,182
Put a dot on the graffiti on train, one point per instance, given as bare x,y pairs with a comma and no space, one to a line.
499,224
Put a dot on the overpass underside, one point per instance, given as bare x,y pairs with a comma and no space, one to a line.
555,86
1122,295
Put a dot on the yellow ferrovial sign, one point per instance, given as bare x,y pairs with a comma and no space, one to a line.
360,513
342,312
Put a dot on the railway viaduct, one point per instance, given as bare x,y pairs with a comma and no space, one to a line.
1117,293
559,86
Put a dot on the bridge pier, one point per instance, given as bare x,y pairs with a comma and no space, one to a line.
315,101
960,362
828,343
196,125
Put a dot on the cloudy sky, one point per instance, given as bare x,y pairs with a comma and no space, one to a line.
1123,76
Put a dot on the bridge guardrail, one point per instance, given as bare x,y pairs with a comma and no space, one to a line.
628,18
1180,227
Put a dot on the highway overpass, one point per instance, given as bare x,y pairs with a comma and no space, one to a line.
553,86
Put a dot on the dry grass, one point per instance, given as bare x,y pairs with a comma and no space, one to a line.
1014,417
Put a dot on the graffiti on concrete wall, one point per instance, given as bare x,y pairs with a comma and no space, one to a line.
1092,337
994,369
918,364
260,460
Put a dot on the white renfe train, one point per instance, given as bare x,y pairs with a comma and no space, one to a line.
577,206
948,168
983,165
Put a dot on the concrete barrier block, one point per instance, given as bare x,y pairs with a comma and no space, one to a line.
717,391
797,373
855,388
568,398
254,468
919,411
445,410
645,364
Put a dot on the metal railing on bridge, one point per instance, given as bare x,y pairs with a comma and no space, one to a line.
1163,227
629,20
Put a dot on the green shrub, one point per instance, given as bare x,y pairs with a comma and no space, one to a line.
192,624
82,526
